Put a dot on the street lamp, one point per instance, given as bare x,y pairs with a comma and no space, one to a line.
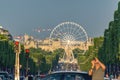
17,49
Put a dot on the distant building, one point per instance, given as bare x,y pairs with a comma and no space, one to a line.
29,42
46,44
5,32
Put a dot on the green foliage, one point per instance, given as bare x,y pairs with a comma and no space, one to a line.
77,52
110,50
45,60
3,37
119,6
84,60
7,56
85,67
98,42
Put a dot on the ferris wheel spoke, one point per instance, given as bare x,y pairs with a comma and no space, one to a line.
79,34
64,34
68,28
59,33
61,30
78,31
82,37
64,39
75,32
64,28
71,29
57,36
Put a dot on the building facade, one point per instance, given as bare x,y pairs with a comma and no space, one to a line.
48,45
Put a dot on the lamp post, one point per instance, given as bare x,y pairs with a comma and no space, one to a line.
17,49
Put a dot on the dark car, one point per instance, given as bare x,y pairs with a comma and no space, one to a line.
30,77
22,77
5,74
68,75
39,77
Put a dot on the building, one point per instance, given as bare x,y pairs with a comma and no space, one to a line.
50,45
5,33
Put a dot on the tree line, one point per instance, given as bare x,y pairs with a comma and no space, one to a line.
38,61
109,53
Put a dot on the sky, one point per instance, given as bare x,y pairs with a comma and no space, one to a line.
21,17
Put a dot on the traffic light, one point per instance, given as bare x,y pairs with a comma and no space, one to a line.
17,47
27,51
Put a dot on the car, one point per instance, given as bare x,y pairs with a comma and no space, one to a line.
39,77
22,77
68,75
2,77
11,77
5,74
30,77
42,75
105,78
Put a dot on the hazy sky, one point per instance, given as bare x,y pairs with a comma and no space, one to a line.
23,16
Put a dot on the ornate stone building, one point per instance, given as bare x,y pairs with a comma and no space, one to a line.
30,42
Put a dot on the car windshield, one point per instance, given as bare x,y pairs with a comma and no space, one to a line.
73,77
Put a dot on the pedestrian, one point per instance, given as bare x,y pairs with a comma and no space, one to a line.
107,76
97,70
119,77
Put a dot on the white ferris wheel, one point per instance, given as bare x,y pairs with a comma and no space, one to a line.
69,33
